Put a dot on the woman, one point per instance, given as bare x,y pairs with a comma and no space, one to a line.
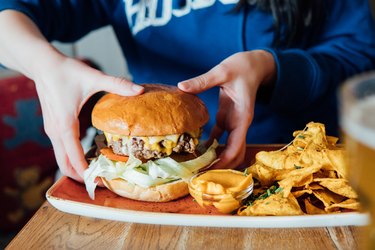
277,63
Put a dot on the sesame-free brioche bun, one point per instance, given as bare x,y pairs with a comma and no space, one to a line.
160,193
160,110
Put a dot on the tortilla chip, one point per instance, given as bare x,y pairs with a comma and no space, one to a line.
299,193
332,140
275,204
300,142
297,177
274,159
264,174
311,169
277,159
337,160
314,137
310,156
351,204
288,173
298,133
305,181
314,186
323,173
327,197
338,186
311,209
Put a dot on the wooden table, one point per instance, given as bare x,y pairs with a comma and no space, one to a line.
51,228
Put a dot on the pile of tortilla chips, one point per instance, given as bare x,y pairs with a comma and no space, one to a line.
307,176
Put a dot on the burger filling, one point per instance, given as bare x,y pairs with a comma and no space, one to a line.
153,147
146,174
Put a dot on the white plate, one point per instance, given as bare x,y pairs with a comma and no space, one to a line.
109,213
69,196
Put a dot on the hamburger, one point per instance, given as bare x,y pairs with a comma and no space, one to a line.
152,143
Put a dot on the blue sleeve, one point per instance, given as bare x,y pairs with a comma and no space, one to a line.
63,20
346,48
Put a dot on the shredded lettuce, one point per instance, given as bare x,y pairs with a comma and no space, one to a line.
147,174
206,160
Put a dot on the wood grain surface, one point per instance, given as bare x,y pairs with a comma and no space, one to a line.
52,229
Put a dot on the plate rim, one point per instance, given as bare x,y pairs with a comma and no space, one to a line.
228,221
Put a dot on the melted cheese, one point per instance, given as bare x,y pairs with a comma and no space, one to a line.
220,188
164,144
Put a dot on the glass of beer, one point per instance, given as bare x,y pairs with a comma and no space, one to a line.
357,119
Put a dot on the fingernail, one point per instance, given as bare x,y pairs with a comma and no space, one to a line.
184,85
137,88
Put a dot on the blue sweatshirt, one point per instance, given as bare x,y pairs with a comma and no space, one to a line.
167,41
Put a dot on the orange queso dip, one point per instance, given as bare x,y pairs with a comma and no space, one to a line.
225,189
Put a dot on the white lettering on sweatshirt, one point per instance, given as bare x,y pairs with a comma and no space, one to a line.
143,13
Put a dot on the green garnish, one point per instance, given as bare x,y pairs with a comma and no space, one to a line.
297,167
263,196
278,190
245,173
274,189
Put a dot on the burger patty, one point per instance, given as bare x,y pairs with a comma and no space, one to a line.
137,147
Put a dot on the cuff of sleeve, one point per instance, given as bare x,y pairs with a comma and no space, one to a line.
297,80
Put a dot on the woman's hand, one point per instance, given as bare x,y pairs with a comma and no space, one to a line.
63,85
63,88
239,77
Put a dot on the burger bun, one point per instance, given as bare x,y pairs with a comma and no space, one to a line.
160,193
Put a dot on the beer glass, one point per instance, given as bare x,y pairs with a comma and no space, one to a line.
357,119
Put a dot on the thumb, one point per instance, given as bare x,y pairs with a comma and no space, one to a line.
117,85
216,76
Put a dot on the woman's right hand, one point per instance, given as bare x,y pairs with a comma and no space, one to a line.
63,87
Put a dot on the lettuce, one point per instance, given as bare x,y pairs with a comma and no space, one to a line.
147,174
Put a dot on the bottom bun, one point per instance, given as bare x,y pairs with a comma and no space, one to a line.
160,193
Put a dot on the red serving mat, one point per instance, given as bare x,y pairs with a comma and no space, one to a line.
68,189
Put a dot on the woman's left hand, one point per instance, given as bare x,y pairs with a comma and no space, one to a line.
239,77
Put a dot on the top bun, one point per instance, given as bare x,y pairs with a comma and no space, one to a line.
160,110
